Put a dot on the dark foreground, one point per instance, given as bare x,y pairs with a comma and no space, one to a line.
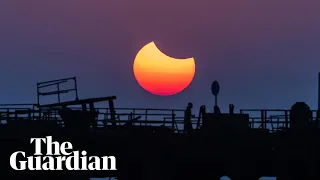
241,146
156,153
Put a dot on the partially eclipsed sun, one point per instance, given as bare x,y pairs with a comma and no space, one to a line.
160,74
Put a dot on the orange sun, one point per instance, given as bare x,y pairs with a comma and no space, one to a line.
160,74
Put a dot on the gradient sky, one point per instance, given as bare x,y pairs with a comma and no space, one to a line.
265,54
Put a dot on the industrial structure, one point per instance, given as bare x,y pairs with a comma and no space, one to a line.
166,143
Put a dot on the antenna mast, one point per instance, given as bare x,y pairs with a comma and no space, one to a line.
319,91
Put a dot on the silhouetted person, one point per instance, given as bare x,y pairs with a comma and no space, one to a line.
201,114
187,118
231,109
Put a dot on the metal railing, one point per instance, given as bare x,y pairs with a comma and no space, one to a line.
273,119
268,119
173,118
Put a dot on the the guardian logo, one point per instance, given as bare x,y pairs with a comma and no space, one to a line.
62,158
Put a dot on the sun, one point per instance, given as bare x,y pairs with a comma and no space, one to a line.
160,74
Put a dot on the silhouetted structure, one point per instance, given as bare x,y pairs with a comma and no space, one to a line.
187,118
153,143
319,91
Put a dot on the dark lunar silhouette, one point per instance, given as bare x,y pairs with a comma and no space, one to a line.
165,143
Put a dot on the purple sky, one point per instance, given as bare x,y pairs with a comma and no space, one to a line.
265,54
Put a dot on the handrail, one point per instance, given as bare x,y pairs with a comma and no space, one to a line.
18,104
258,118
104,114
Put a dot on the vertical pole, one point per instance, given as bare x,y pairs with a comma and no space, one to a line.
318,118
38,94
318,110
286,119
112,113
76,87
215,107
92,109
146,117
265,119
262,119
173,120
58,88
215,100
319,91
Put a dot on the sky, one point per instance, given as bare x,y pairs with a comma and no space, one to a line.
265,54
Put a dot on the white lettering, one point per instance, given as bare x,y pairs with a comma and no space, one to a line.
84,160
95,165
37,144
75,164
13,161
37,163
64,147
55,144
58,158
49,165
105,162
